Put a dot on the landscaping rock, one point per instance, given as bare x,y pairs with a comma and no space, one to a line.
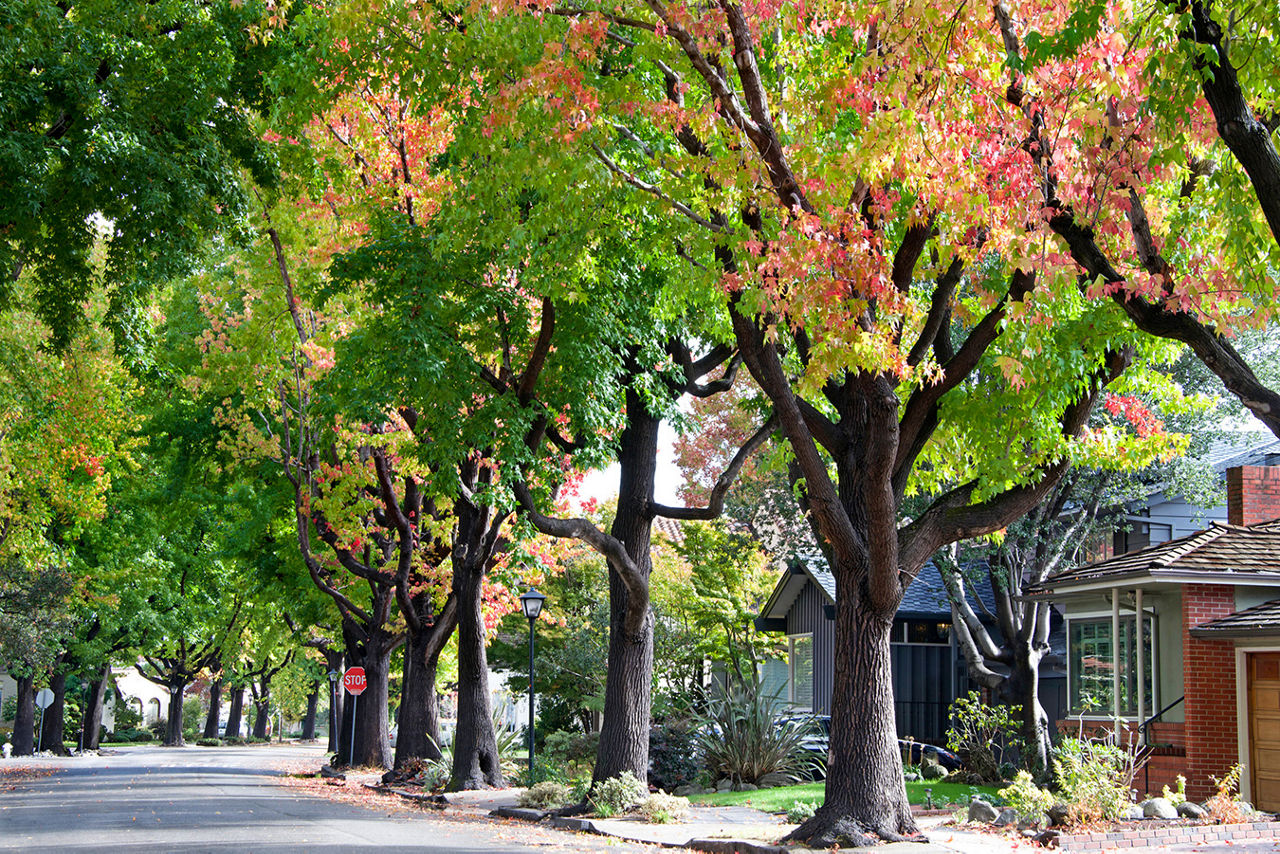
911,776
724,785
932,772
1187,809
1007,817
1049,838
1134,813
1158,808
746,787
686,790
981,811
327,772
1058,814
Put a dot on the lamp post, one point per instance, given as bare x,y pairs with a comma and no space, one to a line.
333,710
531,602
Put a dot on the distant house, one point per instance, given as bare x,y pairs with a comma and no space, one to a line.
1161,516
929,671
1201,691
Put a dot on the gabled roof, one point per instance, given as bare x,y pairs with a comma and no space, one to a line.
1259,621
1220,553
926,596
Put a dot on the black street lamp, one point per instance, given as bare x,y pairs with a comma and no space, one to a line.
531,602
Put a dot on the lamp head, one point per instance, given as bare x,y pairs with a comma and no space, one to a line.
531,602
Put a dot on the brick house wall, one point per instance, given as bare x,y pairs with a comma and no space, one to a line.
1209,683
1253,494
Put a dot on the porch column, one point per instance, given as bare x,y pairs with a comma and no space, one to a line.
1142,669
1115,658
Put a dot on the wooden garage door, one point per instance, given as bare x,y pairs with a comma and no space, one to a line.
1264,728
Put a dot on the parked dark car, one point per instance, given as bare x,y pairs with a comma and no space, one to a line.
818,743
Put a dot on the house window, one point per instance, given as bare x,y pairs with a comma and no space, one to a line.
1093,659
775,680
931,632
800,663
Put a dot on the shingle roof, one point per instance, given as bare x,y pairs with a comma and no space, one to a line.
1260,620
1220,550
926,596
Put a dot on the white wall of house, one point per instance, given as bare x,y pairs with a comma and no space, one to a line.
142,694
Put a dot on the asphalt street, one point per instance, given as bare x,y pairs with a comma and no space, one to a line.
194,799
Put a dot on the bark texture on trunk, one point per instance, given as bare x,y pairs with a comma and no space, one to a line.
24,736
173,729
372,744
476,763
309,720
92,721
418,719
212,719
235,712
335,661
52,731
866,798
1023,690
628,693
261,716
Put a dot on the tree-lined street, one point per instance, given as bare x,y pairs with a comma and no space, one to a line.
233,799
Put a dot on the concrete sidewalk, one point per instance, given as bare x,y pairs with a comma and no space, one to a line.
728,829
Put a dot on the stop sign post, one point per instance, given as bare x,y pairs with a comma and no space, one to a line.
355,682
43,699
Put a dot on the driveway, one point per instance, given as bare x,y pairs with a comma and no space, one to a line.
141,798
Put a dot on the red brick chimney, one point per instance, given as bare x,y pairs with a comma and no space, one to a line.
1253,494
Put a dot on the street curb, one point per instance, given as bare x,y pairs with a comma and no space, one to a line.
518,812
736,846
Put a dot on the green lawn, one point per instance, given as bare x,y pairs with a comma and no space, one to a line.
781,798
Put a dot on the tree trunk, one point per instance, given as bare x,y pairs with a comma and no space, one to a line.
419,716
624,734
1022,688
92,722
54,717
173,731
309,721
235,712
476,763
335,661
866,797
215,709
372,747
262,714
24,736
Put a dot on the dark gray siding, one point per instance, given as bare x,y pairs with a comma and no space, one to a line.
807,616
923,689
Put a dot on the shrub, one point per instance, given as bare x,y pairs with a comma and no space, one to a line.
1176,797
673,755
209,742
617,794
1027,799
740,740
1224,805
1094,777
571,746
545,796
979,734
801,811
661,808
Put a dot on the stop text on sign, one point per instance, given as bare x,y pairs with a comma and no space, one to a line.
354,681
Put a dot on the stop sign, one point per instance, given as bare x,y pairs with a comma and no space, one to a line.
354,681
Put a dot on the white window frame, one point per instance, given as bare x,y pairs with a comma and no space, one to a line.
1153,662
791,668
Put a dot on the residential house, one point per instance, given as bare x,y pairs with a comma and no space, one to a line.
1201,690
929,671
